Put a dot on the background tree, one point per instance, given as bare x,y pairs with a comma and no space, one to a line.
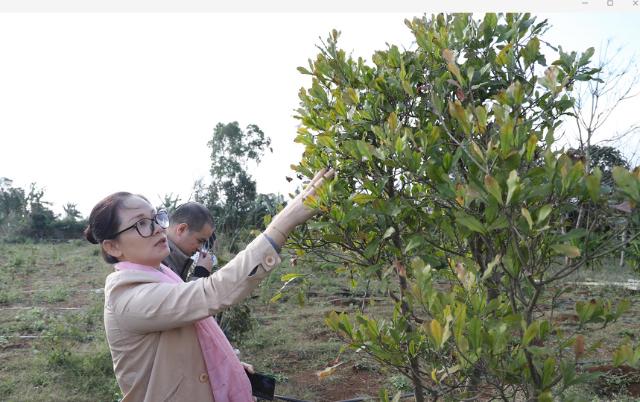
170,202
232,195
71,212
598,99
440,194
13,207
28,216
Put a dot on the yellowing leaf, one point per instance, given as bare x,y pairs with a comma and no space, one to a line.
531,146
361,199
567,250
493,188
448,56
578,347
502,59
527,216
327,371
392,121
436,332
512,185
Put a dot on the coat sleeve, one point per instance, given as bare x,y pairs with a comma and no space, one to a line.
150,307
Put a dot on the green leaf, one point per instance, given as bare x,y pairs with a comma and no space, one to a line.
531,146
543,213
491,266
500,223
341,108
530,51
530,333
627,182
408,89
568,250
493,188
414,242
276,297
573,235
394,57
545,396
364,149
471,223
353,95
547,372
593,184
326,141
622,307
289,277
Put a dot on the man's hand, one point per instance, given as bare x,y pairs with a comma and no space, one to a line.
205,261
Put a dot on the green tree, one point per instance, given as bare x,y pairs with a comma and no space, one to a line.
40,218
13,207
602,157
170,202
71,212
232,195
440,194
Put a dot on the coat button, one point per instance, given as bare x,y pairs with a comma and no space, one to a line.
204,377
270,260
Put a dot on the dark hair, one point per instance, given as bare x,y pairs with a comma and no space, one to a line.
194,214
104,220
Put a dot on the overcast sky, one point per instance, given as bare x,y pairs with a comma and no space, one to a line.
96,103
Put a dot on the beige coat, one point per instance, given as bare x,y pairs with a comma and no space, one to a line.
154,346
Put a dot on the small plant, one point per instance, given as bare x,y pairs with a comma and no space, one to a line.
54,295
8,295
32,321
401,383
235,322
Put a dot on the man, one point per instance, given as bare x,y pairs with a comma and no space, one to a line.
190,227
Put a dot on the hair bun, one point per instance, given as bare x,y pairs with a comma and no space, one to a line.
88,234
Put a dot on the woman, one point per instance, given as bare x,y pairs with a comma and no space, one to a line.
152,318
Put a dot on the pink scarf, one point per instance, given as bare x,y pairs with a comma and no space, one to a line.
228,380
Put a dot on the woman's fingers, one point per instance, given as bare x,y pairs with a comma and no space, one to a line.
318,180
318,176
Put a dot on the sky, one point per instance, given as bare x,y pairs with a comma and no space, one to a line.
96,103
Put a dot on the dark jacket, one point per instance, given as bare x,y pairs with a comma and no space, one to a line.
180,263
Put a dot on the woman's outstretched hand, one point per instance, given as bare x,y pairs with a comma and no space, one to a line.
296,212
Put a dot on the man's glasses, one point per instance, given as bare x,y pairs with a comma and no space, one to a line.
146,226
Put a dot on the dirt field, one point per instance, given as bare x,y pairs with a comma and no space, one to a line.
52,344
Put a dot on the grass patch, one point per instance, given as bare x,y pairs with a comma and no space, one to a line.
67,357
54,295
